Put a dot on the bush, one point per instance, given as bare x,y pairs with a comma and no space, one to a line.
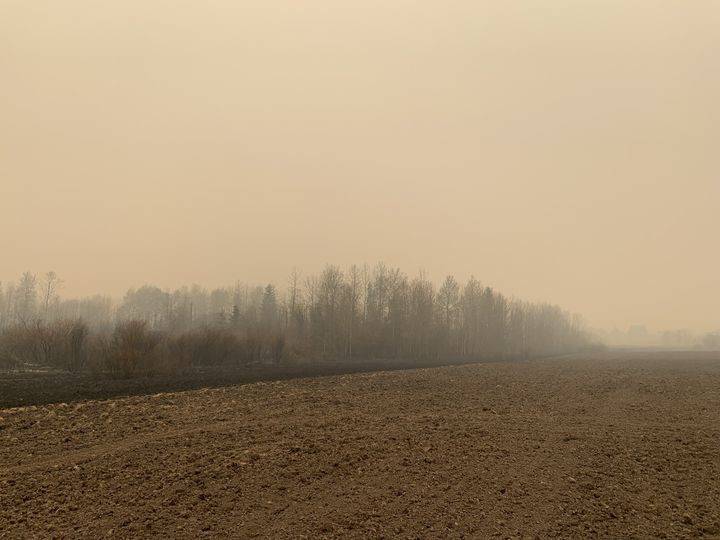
59,345
132,350
277,347
76,357
15,348
207,347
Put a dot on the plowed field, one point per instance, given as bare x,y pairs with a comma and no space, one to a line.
613,445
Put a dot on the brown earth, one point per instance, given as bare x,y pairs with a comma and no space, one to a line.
41,387
614,445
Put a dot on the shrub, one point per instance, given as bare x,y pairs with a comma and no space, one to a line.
132,350
15,348
76,358
59,345
277,346
207,347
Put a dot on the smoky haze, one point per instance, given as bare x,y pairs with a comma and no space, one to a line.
557,150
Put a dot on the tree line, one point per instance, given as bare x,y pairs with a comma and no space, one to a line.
360,313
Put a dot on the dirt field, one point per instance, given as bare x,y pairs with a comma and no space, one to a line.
615,445
23,388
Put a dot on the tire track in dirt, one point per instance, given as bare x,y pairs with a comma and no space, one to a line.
85,455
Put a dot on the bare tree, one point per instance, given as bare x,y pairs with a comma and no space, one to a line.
361,313
26,298
51,284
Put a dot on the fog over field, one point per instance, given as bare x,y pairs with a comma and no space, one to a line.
559,151
372,269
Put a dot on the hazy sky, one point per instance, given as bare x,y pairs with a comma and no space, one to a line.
562,150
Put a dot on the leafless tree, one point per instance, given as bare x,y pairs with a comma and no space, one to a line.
51,284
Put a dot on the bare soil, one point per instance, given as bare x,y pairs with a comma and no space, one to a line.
41,387
616,444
